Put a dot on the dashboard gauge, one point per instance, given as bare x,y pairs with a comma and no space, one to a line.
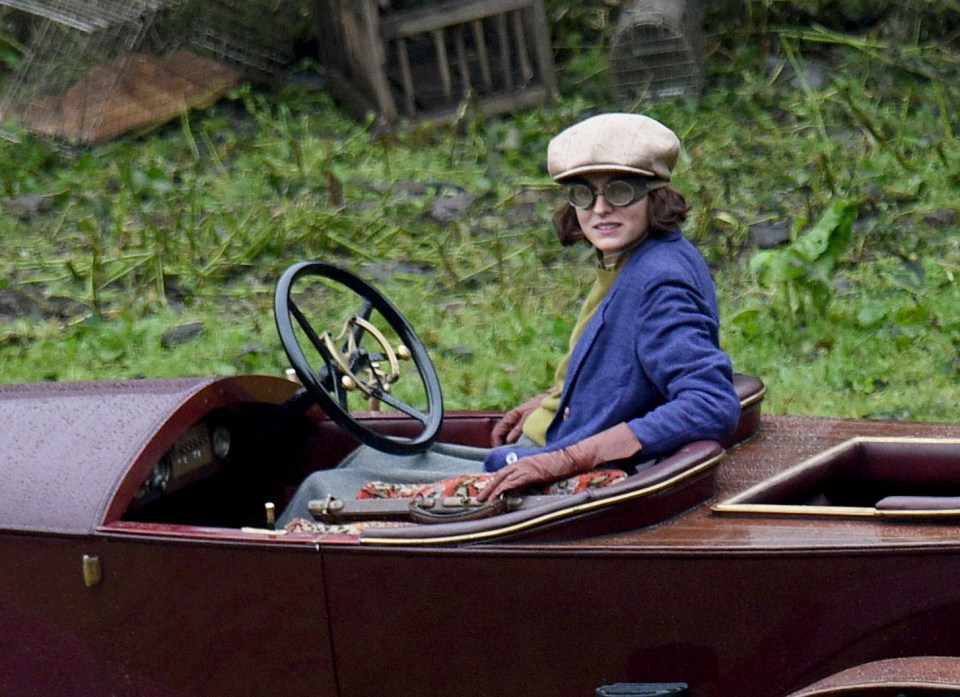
221,442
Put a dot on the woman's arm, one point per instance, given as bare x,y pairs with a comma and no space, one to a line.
677,346
610,445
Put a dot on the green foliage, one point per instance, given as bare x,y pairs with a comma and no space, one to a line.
801,274
193,222
11,48
578,27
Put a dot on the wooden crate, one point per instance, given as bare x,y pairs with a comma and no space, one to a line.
424,63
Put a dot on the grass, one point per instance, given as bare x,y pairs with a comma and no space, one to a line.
193,222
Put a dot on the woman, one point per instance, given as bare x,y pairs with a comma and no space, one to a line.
645,373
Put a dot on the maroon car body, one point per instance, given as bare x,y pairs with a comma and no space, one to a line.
816,556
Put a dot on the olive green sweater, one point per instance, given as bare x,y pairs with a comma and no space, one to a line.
535,427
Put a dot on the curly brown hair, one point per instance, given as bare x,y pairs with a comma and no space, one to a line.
666,206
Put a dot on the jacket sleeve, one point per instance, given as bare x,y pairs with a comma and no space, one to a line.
677,346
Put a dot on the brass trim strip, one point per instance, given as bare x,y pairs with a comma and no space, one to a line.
834,511
796,510
548,517
754,398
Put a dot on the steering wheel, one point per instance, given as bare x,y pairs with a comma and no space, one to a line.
346,366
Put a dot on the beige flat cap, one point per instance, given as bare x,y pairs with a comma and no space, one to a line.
630,143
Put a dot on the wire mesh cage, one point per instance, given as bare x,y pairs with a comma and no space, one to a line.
656,51
99,68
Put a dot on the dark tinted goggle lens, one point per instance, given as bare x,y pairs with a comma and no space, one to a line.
618,192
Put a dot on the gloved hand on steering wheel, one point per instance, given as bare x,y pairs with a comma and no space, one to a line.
616,443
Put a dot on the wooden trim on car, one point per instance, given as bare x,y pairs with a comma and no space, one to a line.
750,500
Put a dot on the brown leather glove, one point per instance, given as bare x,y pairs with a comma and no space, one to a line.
510,425
616,443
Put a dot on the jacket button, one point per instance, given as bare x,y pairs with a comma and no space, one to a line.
566,413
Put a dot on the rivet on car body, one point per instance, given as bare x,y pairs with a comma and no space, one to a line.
92,572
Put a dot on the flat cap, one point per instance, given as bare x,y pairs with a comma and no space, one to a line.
630,143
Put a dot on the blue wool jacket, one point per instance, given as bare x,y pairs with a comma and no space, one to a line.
650,356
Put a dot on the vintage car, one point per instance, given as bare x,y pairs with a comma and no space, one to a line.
806,556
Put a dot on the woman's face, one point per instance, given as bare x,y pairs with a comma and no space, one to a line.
607,227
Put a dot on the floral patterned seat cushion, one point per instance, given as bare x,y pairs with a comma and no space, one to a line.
472,484
460,486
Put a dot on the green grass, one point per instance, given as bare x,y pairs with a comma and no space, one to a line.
193,222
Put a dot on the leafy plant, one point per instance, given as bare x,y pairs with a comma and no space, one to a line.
800,274
192,222
11,48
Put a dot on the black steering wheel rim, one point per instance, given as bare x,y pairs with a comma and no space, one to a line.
286,312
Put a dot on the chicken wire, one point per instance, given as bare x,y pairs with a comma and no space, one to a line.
98,68
656,50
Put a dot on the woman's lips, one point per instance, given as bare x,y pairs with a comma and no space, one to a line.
607,227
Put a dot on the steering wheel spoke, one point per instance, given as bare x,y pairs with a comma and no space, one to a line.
402,406
360,358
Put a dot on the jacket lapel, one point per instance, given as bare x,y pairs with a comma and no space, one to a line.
586,342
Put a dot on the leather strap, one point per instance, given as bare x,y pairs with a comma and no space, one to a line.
453,509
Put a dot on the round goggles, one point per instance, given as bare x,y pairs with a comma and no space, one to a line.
617,192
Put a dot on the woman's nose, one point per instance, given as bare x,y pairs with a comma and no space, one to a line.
601,205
